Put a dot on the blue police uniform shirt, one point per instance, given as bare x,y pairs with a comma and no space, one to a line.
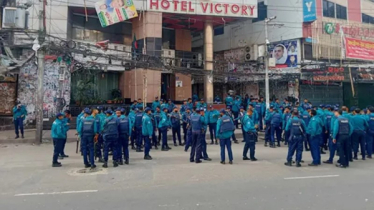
147,126
58,130
225,134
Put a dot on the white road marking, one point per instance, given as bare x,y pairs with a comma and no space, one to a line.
57,193
311,177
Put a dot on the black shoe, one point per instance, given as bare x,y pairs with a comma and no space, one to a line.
298,164
16,137
191,161
207,159
198,161
288,164
87,165
65,156
340,166
105,165
139,150
115,164
175,144
243,140
148,157
57,164
312,164
246,158
301,161
355,158
158,144
180,144
223,162
307,149
216,142
186,150
164,149
363,158
236,142
93,167
351,160
230,162
327,162
126,161
168,147
120,162
253,159
278,145
325,147
266,145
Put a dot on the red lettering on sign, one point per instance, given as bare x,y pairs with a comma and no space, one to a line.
204,6
184,6
235,8
153,3
252,8
176,5
190,8
216,10
225,6
211,8
244,10
165,4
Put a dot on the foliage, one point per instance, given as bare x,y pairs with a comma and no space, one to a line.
116,93
84,92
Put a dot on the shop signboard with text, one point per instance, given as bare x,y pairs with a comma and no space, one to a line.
359,49
232,8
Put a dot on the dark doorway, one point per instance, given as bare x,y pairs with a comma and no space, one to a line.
168,86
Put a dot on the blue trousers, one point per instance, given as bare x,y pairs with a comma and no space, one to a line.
87,143
184,126
295,144
260,124
63,147
154,139
188,140
226,143
332,147
139,137
164,133
204,152
212,131
147,145
276,130
267,133
123,146
176,133
369,144
344,149
236,114
57,145
315,149
250,143
133,138
287,135
18,125
99,146
110,142
358,139
195,146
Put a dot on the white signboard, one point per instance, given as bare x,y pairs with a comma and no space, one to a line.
178,83
232,8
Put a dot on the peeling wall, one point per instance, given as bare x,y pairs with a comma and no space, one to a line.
27,85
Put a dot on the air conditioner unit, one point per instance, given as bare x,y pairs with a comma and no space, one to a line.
14,17
169,57
251,53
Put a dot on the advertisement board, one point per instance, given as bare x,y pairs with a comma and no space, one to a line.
309,10
114,11
285,53
232,8
359,49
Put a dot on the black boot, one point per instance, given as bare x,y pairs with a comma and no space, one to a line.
223,162
322,152
147,157
246,158
56,164
87,165
105,165
175,144
298,164
93,167
288,164
120,162
115,164
216,142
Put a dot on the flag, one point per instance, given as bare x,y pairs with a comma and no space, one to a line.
134,43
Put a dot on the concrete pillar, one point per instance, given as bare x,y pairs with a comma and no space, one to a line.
208,57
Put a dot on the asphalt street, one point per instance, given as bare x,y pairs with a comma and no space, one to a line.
170,181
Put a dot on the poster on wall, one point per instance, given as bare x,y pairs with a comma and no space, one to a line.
359,49
285,53
114,11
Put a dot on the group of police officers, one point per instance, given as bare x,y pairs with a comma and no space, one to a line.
299,125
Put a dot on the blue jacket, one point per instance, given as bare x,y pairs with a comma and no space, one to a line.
186,117
107,119
58,129
170,107
212,116
236,105
164,122
175,119
195,98
155,104
147,127
359,123
229,101
268,116
184,108
249,125
315,126
66,121
289,123
190,105
255,118
224,135
131,123
217,99
17,113
79,118
285,118
201,105
82,121
335,128
321,114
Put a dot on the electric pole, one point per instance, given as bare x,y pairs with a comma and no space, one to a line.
40,90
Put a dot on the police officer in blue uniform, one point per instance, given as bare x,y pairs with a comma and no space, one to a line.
185,117
187,120
259,107
250,136
360,125
110,135
370,133
138,129
268,116
204,153
212,116
175,120
276,128
341,133
224,129
100,143
147,132
305,116
229,113
197,123
297,131
133,132
125,128
157,117
155,104
58,136
88,130
286,117
314,130
163,126
154,141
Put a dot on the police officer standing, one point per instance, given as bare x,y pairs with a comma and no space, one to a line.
197,123
157,118
297,130
176,126
163,126
19,115
58,135
250,136
229,113
138,129
125,128
155,104
268,117
342,131
147,132
203,136
370,133
212,116
225,128
360,125
276,128
305,116
88,131
285,118
110,136
314,129
185,121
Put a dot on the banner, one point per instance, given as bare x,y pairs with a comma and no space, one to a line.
309,10
232,8
359,49
115,11
285,53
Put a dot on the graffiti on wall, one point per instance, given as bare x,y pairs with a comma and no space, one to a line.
53,88
8,96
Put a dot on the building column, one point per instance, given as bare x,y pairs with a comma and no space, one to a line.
208,58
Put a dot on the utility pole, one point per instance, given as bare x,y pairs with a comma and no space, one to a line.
40,90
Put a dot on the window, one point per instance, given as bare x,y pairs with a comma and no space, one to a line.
328,9
367,19
262,12
219,31
341,12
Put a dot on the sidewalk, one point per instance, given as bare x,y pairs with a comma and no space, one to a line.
8,136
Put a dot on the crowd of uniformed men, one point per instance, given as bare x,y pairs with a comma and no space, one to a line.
299,125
